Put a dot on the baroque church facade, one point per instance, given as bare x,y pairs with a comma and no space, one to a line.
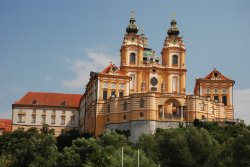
144,93
147,92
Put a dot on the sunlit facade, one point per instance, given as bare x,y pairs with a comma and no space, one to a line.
147,92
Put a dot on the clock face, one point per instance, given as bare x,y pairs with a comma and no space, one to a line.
174,40
154,81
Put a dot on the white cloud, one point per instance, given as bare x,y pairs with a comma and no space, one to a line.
95,60
241,104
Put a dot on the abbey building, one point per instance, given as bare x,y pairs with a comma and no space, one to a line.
144,92
147,92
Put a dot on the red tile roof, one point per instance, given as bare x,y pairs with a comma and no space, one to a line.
110,67
50,99
5,125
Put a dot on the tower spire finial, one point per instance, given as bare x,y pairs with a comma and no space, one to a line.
173,15
173,30
132,15
132,28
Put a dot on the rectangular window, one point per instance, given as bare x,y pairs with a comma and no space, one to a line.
120,94
109,108
175,60
33,119
53,112
105,95
216,98
73,120
21,119
224,100
142,102
63,121
174,86
53,120
113,94
43,119
132,82
132,57
44,112
125,106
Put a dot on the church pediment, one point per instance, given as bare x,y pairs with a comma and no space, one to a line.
216,75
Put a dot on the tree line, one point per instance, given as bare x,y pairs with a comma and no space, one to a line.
205,144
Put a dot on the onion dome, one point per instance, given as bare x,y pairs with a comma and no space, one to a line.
173,30
132,27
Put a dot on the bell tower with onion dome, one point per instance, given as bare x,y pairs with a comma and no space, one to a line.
132,45
173,58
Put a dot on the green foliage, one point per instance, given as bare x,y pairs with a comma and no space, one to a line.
45,129
207,145
65,139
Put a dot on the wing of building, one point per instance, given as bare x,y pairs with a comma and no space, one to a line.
148,92
59,111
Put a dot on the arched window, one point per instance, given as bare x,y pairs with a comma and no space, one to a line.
142,103
124,118
132,81
125,106
175,60
105,95
174,84
132,57
141,115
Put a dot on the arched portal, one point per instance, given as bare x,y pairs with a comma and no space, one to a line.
172,109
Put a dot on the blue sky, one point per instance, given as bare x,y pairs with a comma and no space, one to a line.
51,46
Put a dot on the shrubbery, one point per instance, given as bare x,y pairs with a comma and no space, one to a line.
206,145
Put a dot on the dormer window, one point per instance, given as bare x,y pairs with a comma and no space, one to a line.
34,101
63,103
132,58
175,60
113,69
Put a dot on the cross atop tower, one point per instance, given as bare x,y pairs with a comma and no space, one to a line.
132,15
173,15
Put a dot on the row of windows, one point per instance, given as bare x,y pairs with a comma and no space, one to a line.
224,99
125,105
21,119
216,91
113,85
113,94
141,116
132,59
44,112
